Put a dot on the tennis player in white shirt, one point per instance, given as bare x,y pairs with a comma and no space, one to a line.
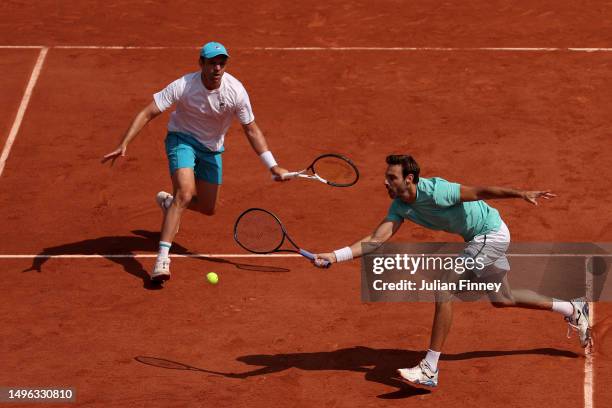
206,103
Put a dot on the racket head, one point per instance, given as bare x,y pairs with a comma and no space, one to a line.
337,170
259,231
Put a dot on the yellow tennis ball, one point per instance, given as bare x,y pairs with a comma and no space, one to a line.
212,278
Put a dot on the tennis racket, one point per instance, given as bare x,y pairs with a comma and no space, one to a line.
332,169
261,232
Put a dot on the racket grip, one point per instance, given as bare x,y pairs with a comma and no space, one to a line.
311,256
288,175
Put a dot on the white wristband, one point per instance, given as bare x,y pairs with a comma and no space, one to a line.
343,254
267,159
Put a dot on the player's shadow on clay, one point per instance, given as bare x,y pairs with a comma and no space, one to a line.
378,365
128,246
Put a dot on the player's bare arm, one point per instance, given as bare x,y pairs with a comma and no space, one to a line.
383,232
258,143
475,193
140,120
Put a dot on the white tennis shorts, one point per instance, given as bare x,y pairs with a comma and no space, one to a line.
490,249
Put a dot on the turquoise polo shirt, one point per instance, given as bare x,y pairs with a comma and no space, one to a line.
438,206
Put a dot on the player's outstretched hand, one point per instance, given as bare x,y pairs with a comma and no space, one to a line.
532,196
277,173
320,260
115,154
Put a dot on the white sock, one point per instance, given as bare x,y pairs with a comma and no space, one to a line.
432,359
562,306
164,249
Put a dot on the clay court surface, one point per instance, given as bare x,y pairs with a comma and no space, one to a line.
277,331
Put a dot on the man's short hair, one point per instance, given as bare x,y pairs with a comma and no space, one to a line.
409,165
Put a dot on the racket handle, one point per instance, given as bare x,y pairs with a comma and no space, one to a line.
311,256
288,175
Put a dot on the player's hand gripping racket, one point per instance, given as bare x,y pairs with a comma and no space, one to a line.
332,169
261,232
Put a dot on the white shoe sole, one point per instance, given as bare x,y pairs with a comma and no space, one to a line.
160,277
428,382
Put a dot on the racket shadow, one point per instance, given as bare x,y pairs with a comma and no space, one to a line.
141,241
246,267
175,365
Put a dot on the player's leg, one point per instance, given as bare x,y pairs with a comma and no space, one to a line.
181,161
443,318
207,197
509,297
183,182
204,201
575,312
426,372
184,189
209,176
492,250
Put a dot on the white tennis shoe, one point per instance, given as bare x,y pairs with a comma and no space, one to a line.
421,374
579,321
161,270
161,199
164,200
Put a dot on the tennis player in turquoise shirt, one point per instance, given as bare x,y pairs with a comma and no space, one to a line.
438,206
441,205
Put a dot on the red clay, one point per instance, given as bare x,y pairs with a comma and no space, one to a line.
388,23
532,120
15,66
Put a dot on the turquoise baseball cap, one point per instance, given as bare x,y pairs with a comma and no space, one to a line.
212,49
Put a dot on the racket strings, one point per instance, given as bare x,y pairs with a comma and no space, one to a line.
259,231
336,170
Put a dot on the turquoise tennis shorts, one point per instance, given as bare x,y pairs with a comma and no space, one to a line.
184,151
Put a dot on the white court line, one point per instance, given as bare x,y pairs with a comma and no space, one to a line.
441,49
452,49
121,47
22,108
94,256
19,47
588,361
150,255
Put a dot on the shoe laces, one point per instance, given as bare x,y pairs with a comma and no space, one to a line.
571,328
165,263
426,368
571,324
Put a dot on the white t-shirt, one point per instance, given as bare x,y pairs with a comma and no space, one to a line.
202,113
